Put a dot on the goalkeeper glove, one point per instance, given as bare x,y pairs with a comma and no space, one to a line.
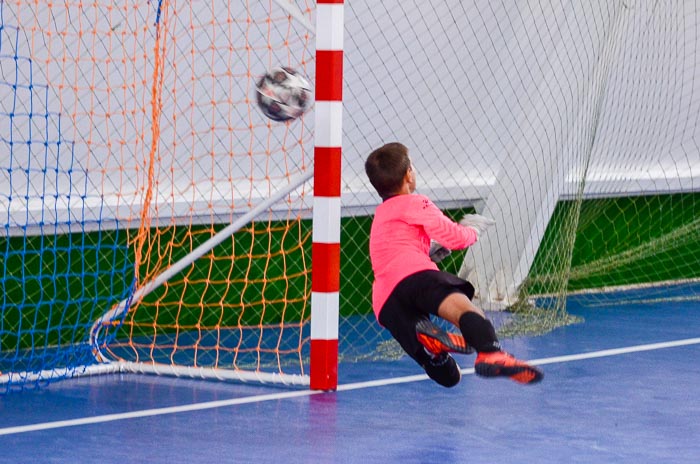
438,252
477,222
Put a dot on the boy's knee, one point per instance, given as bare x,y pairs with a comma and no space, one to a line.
443,370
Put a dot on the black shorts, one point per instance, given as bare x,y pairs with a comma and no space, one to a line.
415,298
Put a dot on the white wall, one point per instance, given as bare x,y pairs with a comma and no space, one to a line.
463,84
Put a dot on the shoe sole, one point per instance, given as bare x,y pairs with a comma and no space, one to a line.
437,337
521,374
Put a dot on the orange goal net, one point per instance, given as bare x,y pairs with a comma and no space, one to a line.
137,152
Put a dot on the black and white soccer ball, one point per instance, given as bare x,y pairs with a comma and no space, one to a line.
283,94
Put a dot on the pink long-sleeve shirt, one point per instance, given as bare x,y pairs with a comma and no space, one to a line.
399,241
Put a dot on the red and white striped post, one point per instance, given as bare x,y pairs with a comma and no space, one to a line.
325,259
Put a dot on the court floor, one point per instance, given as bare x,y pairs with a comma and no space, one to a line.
623,386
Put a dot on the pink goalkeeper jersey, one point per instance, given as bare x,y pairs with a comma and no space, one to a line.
399,242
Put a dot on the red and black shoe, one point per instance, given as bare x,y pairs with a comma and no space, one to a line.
437,341
501,364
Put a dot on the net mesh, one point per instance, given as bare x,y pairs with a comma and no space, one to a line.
132,137
573,125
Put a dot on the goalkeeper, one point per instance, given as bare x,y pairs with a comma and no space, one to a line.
409,287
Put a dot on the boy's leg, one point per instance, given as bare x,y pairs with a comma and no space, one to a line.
480,334
441,368
502,364
437,340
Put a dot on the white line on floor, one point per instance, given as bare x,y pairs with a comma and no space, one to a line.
344,387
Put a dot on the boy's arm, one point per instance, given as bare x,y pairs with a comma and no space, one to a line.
445,234
478,222
444,230
438,252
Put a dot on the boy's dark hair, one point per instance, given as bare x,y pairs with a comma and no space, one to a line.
386,167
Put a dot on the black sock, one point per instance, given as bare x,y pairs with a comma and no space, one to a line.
478,332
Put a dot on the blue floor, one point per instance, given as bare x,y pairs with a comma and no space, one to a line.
634,407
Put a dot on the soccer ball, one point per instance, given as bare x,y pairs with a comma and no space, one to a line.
283,94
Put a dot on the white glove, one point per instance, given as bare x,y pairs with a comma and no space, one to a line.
438,252
477,222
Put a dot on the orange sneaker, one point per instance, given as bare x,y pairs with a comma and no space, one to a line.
501,364
437,341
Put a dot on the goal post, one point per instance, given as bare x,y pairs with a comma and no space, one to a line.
325,296
117,314
156,220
